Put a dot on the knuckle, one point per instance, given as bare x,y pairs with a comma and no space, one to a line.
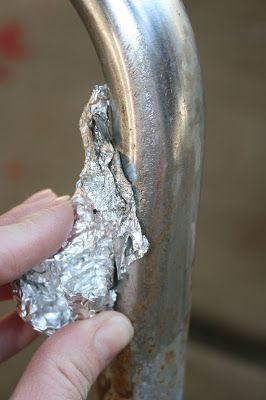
76,379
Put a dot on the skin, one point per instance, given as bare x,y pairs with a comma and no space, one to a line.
67,363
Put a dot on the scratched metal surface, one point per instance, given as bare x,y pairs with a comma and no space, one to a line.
151,66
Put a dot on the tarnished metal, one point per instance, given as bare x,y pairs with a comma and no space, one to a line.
150,63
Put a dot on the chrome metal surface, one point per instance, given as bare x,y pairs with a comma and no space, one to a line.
150,62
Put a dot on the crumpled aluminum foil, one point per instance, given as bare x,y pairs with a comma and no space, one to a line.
106,238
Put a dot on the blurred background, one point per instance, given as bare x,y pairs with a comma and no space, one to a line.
47,70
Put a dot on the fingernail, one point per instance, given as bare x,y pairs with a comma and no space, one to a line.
112,337
42,195
60,200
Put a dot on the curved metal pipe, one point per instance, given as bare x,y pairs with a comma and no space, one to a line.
150,62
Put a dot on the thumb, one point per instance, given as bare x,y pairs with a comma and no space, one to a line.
68,363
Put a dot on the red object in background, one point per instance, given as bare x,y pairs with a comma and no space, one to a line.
11,44
13,170
12,48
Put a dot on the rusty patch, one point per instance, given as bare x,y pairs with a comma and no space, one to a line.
122,383
170,356
103,386
115,383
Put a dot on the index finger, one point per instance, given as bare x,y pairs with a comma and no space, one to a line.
29,242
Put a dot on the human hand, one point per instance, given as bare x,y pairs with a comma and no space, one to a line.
67,363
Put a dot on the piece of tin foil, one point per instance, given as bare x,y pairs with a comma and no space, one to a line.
106,238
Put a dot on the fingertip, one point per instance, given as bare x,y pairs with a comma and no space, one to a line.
107,333
48,194
63,211
114,334
36,237
53,225
100,338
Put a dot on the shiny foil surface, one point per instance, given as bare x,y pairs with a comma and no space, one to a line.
106,238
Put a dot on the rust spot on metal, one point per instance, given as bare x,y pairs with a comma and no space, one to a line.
122,383
115,383
169,356
103,386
